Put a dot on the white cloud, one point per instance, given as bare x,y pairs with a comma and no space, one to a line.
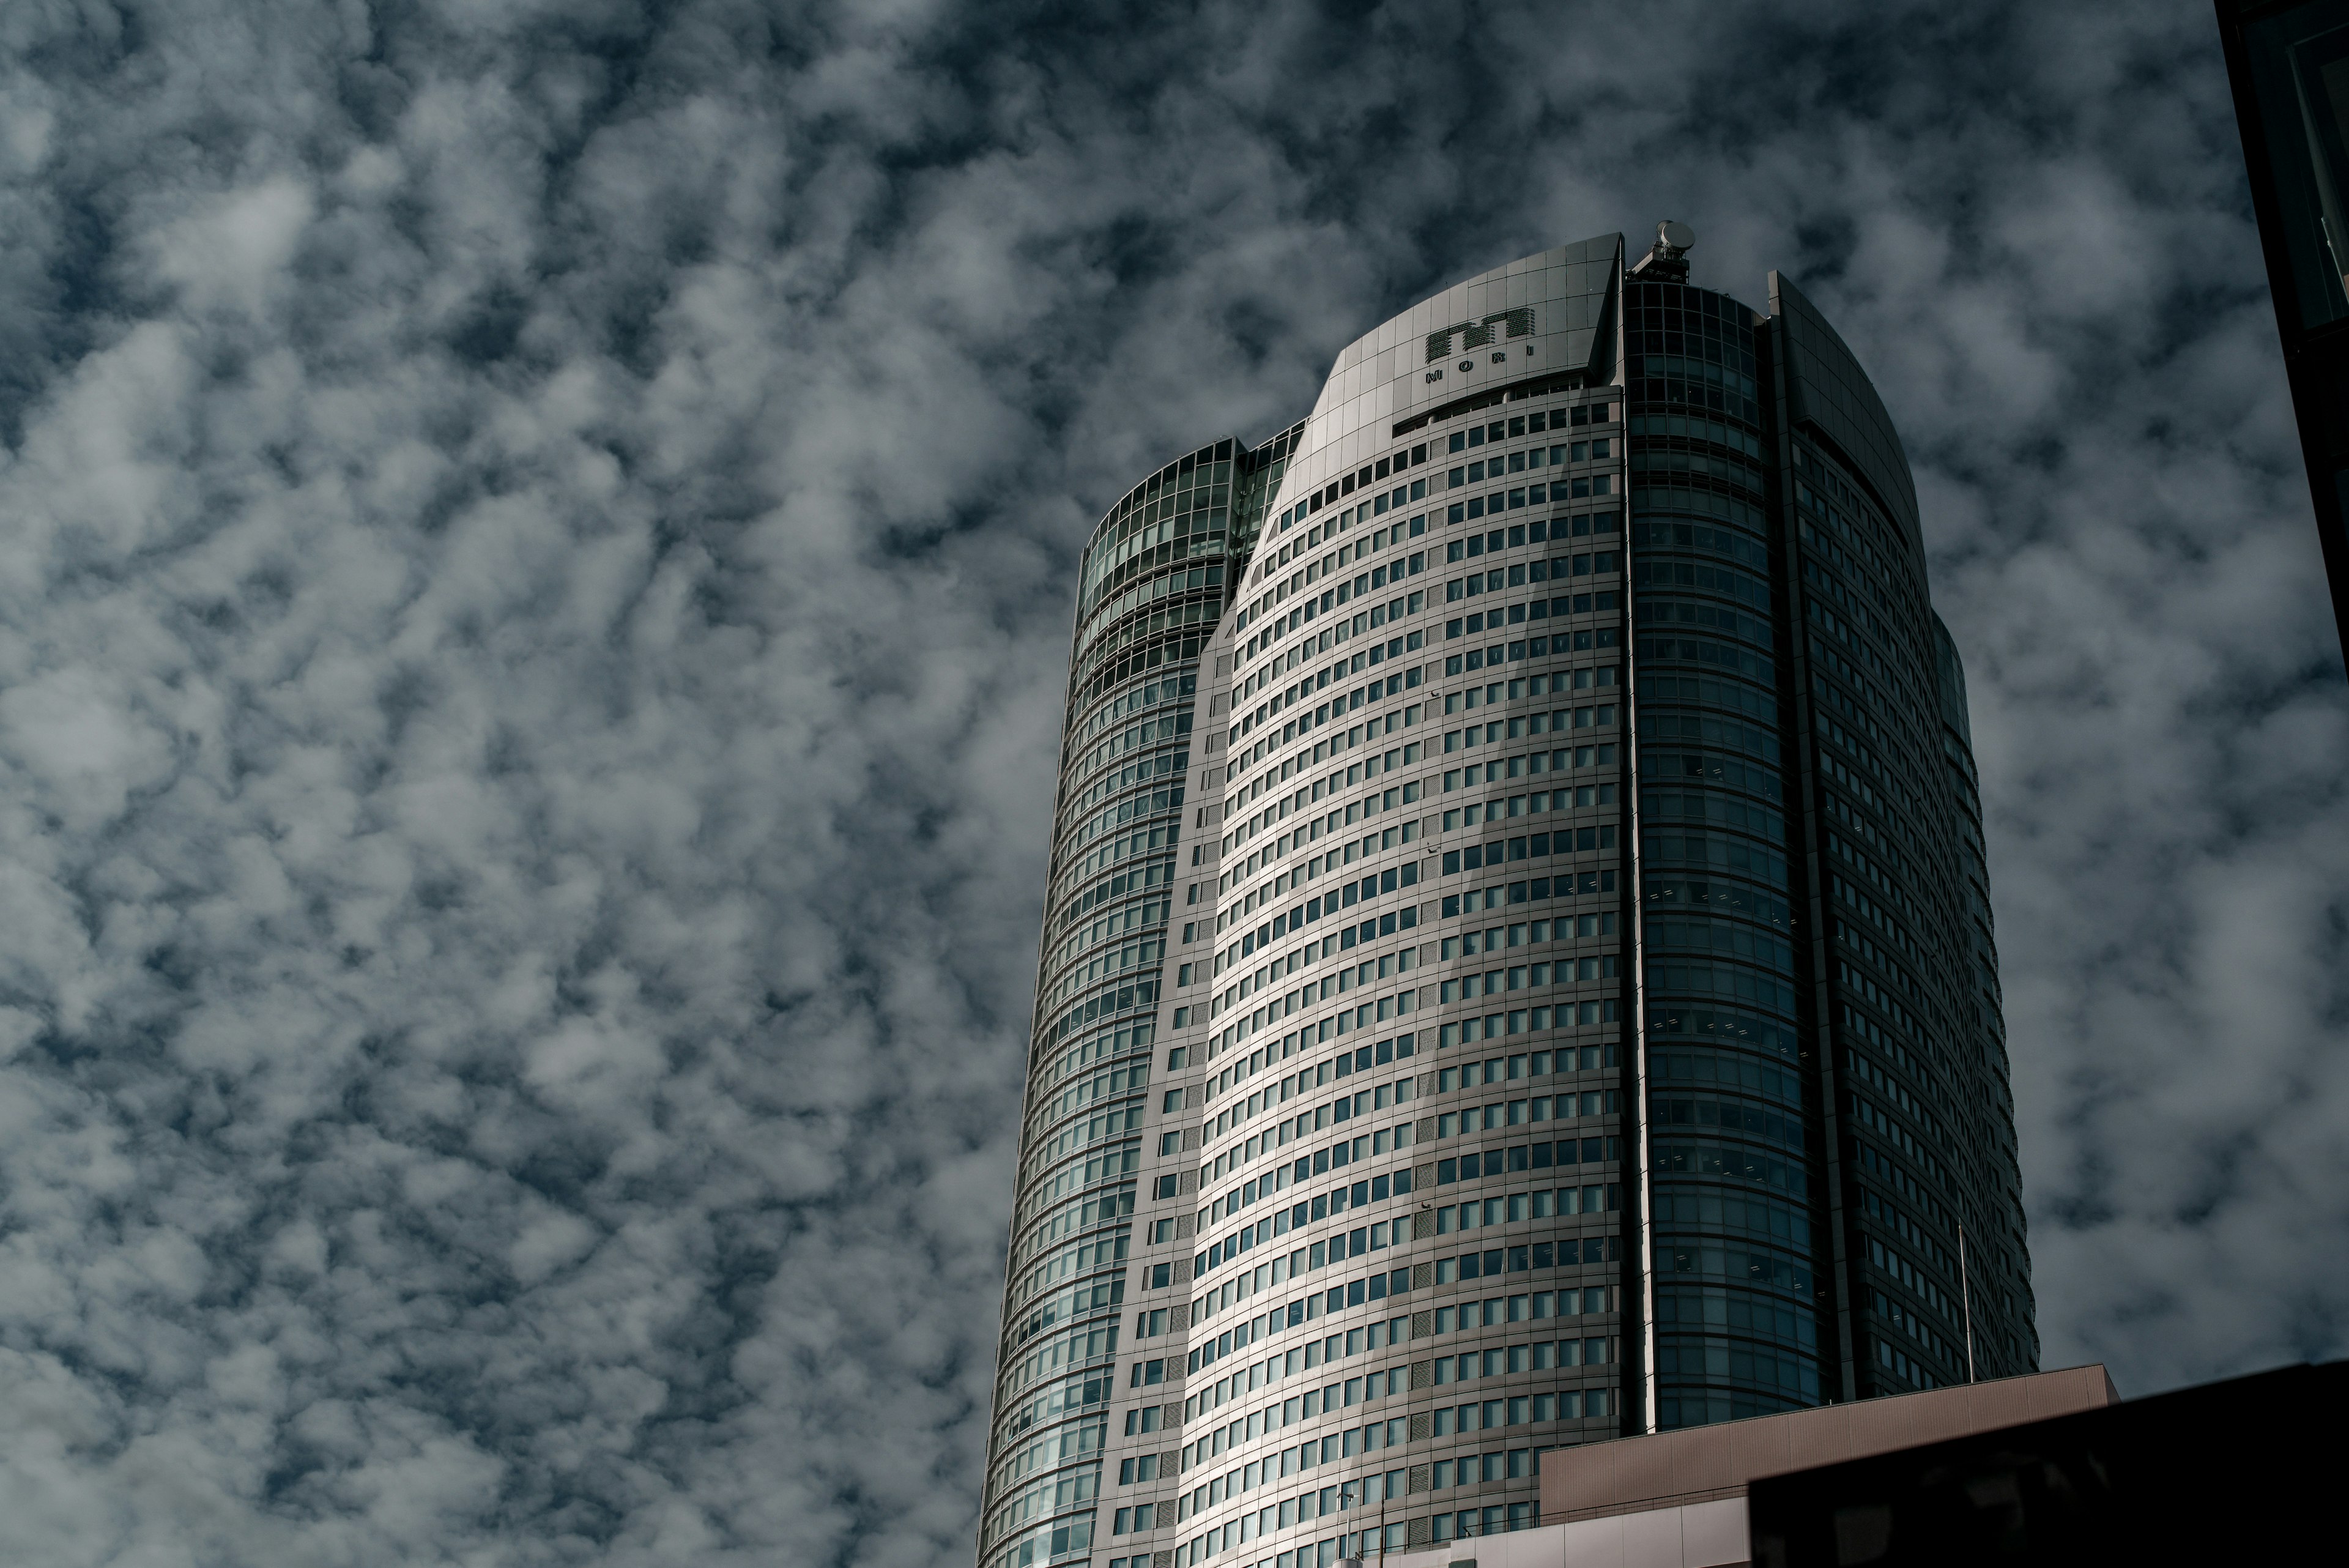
532,623
233,251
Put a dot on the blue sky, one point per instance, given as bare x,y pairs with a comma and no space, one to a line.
538,553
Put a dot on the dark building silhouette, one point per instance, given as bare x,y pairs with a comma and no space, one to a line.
2289,65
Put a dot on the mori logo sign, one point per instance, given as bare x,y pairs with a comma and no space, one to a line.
1517,323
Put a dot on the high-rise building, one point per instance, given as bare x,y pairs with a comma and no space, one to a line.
1517,966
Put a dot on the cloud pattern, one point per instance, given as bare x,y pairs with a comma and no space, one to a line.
533,602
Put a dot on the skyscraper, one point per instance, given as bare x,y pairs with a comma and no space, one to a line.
1517,966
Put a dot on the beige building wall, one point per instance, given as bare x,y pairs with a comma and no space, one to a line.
1677,1500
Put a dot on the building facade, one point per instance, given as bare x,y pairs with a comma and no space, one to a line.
1517,967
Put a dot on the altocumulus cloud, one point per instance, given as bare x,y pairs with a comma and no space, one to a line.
534,563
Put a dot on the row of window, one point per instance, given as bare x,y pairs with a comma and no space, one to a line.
1148,915
1168,797
1332,711
1331,823
1906,1319
1360,586
1878,1163
1540,531
1560,567
1343,630
1542,1356
1141,954
1283,1413
1327,985
1307,833
1502,653
1368,972
1485,622
1342,1199
1711,1112
1497,732
1158,836
1531,424
1467,1525
1122,885
1361,548
1496,466
1591,678
1361,1241
1333,1113
1172,489
1321,679
1199,532
1368,769
1489,1262
1368,1288
1467,440
1522,1020
1263,1374
1729,1069
1520,976
1360,1060
1698,430
1347,893
1533,763
1904,1366
1116,1000
1346,485
1656,613
1511,1069
1077,1213
1494,692
1531,847
1376,1436
1347,590
1545,1203
1051,1186
1450,1421
1567,1104
1398,1004
1548,1155
1502,807
1121,621
1341,940
1170,731
1582,487
1536,891
1307,793
1497,1312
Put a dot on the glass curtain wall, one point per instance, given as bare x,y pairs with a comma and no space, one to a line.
1153,584
1734,1155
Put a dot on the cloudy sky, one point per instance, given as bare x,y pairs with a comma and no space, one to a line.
536,546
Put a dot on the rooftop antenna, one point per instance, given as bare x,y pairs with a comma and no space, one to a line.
1667,259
